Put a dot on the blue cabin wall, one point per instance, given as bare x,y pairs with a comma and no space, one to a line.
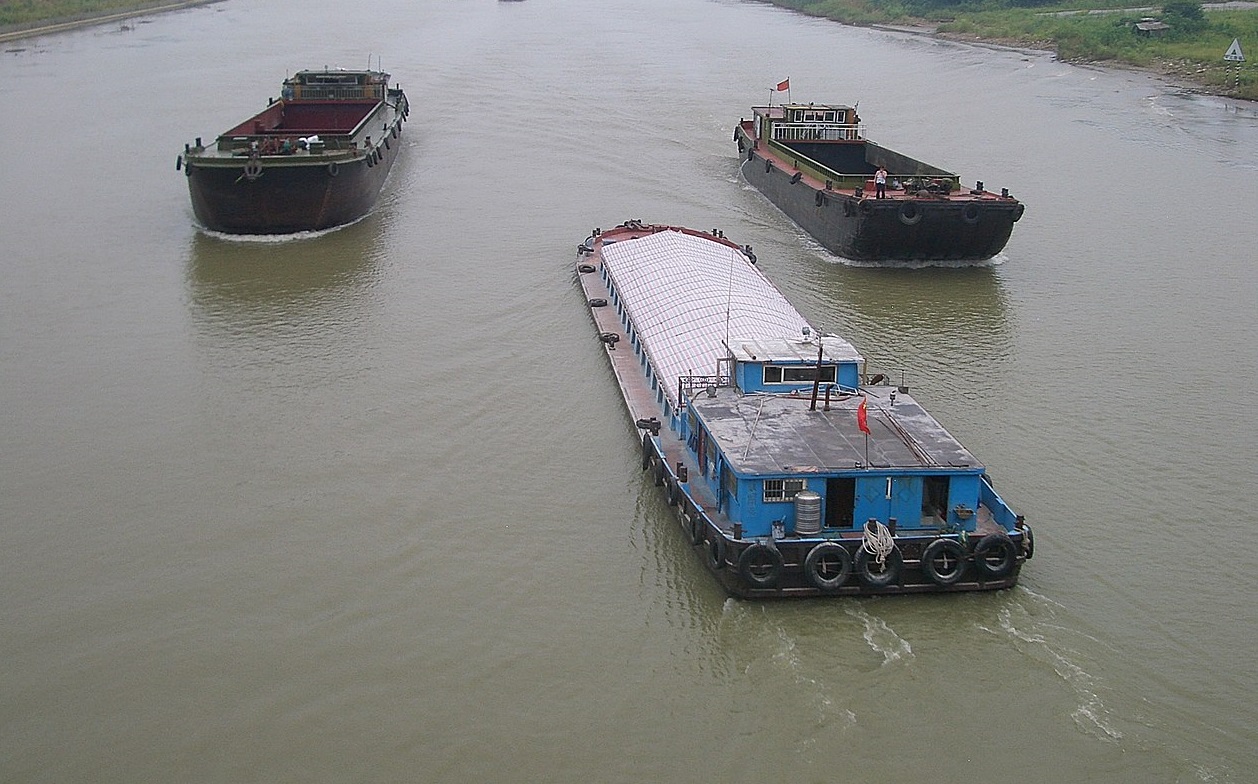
749,377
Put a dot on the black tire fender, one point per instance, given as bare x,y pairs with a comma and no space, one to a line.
694,526
714,550
1028,541
943,562
995,556
970,213
910,213
761,565
865,564
828,565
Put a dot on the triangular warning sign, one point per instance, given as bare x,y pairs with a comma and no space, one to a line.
1234,52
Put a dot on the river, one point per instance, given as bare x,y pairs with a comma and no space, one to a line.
366,506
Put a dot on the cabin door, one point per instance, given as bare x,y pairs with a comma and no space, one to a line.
840,501
885,497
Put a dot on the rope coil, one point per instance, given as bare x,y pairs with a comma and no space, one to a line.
878,541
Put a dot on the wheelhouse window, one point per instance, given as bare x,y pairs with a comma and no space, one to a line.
797,374
782,489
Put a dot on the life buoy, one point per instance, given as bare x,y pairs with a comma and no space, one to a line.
944,561
909,213
866,566
970,213
334,169
761,565
995,556
1017,212
714,550
828,565
253,169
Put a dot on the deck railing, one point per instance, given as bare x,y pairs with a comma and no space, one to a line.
812,132
686,385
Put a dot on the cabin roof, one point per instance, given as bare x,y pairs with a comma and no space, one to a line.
763,435
687,295
795,350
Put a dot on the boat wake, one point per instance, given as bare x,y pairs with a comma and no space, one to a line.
261,239
1090,715
882,638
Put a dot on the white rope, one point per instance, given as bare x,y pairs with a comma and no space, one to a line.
878,541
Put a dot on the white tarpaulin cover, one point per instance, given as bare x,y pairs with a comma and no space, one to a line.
687,296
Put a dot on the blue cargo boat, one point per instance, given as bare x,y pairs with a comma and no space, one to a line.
793,473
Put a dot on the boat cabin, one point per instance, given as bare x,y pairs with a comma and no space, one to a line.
827,142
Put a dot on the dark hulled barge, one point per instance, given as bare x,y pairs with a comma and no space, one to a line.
313,159
814,162
792,473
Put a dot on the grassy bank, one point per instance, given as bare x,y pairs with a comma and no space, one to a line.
17,16
1084,31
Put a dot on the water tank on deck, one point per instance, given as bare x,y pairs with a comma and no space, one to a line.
807,513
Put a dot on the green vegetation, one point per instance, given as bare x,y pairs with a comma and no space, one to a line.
1191,49
22,13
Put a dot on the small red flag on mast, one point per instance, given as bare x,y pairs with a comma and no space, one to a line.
784,85
862,418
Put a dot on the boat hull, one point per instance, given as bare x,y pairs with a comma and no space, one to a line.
869,229
285,196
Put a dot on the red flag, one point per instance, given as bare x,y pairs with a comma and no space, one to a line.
785,84
862,418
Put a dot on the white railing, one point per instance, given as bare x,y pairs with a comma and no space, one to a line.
812,132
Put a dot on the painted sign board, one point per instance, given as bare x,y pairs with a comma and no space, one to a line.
1234,52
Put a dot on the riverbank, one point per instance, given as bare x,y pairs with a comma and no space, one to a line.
48,26
1191,58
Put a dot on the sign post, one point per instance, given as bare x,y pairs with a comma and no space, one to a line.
1236,56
